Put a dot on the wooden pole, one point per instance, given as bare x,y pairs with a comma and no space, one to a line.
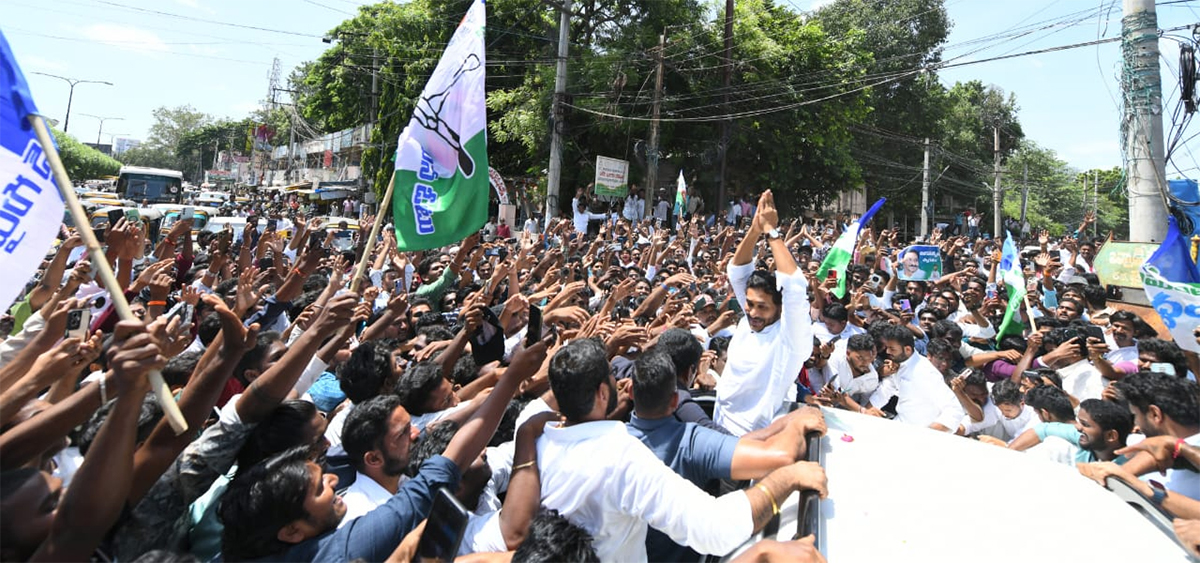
100,264
384,204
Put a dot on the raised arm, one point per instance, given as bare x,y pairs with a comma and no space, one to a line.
199,396
273,386
86,513
477,432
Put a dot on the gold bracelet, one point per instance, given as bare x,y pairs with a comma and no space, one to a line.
771,497
524,465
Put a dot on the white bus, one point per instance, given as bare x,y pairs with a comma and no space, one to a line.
150,185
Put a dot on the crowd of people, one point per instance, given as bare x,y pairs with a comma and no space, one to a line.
610,386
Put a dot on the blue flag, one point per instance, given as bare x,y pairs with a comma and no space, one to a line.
1172,285
31,209
842,253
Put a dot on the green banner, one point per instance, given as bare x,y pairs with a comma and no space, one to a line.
1118,263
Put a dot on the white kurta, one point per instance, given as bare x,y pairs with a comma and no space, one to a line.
763,365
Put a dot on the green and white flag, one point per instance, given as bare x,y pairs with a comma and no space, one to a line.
1014,279
843,250
441,182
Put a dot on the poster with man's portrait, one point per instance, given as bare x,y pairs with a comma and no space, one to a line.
920,263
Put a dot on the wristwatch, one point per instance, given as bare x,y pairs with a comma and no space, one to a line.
773,234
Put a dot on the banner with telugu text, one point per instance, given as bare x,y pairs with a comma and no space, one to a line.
31,209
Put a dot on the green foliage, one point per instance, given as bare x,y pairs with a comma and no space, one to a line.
197,148
909,37
151,156
1059,196
171,124
81,161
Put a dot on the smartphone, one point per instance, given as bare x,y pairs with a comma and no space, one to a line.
533,332
733,305
187,213
1093,332
444,529
77,323
991,291
183,311
115,217
266,263
833,275
132,215
876,281
905,306
1162,367
315,239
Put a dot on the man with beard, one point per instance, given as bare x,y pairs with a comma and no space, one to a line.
770,345
924,398
377,437
607,482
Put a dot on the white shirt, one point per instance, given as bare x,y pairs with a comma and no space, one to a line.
971,330
859,388
1182,481
823,334
924,396
1082,381
635,207
763,365
483,534
1014,427
991,419
606,482
581,218
333,430
530,225
1125,354
662,210
363,496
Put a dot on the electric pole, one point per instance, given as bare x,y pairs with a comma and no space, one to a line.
925,194
652,151
100,130
997,195
554,174
727,124
1024,194
1141,126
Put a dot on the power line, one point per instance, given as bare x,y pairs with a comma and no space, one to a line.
204,20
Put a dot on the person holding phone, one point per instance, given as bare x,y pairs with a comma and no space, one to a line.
771,343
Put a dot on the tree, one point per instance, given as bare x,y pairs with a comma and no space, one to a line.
966,144
906,105
170,126
150,156
81,161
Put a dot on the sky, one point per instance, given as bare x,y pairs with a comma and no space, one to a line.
217,56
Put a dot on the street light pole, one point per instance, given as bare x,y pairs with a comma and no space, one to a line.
102,120
71,95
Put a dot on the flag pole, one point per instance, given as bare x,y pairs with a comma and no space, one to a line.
384,204
100,264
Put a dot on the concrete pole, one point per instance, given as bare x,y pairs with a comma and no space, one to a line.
925,194
554,174
652,151
1141,126
1024,192
727,124
997,195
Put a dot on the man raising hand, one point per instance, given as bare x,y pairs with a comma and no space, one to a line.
770,345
